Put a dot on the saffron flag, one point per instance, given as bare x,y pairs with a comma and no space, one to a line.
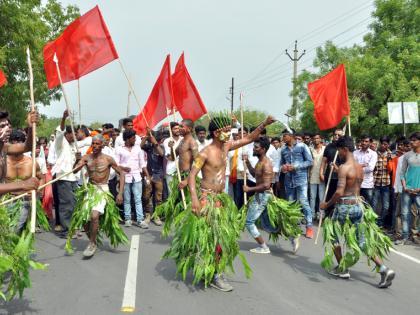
3,79
187,99
330,98
84,46
158,104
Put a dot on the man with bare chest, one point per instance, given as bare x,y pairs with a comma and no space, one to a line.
212,162
187,150
19,168
98,166
349,205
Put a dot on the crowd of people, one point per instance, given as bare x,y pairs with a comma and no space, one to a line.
139,173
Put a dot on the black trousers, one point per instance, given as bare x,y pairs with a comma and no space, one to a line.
56,202
67,201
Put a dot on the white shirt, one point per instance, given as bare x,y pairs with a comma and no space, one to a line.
111,152
316,167
52,155
397,184
84,145
239,162
201,146
66,157
119,142
170,165
368,157
274,157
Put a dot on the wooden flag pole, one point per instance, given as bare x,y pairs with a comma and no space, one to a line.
132,91
68,110
326,189
39,188
33,192
78,99
242,135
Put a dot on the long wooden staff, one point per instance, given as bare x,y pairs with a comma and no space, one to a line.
184,202
33,192
66,100
326,189
39,188
242,135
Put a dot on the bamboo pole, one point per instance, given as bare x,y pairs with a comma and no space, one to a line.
326,189
39,188
33,192
242,135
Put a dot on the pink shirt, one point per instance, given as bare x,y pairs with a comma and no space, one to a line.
134,159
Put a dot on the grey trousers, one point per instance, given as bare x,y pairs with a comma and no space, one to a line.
67,201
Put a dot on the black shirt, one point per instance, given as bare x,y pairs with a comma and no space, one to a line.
154,161
329,153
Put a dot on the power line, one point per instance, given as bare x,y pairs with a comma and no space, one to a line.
317,30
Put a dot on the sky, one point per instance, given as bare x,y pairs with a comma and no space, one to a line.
244,39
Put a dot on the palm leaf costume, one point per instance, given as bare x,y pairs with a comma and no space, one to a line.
196,239
87,197
15,253
374,242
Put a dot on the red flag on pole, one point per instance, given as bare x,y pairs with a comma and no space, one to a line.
3,79
330,98
161,100
187,99
84,46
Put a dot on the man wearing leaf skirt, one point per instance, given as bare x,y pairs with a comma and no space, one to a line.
354,221
98,166
211,161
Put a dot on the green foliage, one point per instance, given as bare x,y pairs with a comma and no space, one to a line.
376,243
285,216
96,125
47,126
88,197
28,23
196,238
384,69
15,256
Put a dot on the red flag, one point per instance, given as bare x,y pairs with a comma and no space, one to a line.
3,79
330,98
161,100
84,46
187,100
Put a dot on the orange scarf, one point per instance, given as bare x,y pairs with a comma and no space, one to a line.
234,168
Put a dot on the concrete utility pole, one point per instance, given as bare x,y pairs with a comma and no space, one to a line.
231,95
295,59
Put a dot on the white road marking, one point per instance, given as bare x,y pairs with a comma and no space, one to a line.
406,256
129,299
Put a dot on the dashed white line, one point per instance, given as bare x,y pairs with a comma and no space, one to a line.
129,299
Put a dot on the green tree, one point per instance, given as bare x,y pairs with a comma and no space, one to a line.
28,23
47,126
384,69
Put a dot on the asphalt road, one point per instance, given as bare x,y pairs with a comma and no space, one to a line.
282,283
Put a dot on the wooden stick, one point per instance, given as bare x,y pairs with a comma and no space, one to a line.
326,189
33,192
80,104
39,188
184,202
242,135
132,91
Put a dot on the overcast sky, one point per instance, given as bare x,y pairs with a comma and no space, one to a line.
244,39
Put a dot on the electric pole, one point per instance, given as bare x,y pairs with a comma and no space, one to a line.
231,90
295,59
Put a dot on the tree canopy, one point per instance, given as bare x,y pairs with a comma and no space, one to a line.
384,69
28,23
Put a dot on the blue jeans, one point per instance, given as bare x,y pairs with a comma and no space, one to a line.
258,208
300,193
383,193
316,190
407,200
136,188
367,193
